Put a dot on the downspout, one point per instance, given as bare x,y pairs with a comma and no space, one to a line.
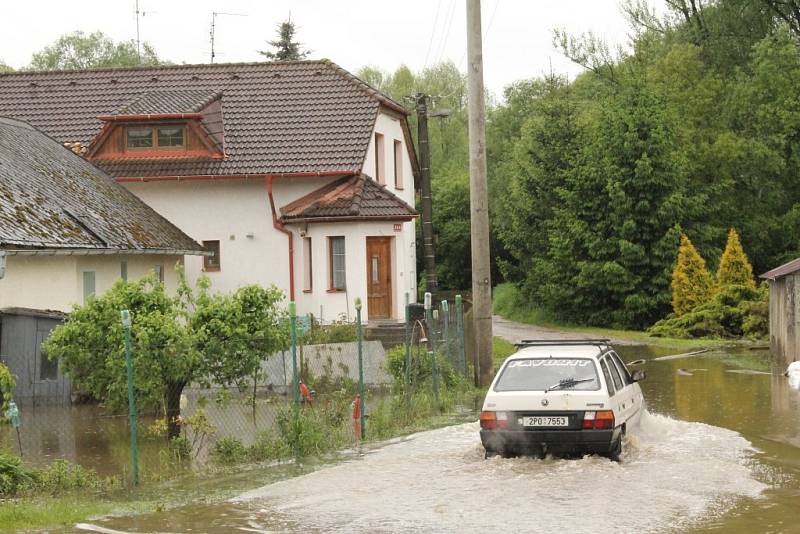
281,228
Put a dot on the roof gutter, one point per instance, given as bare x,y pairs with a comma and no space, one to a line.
355,218
214,177
281,228
101,252
151,117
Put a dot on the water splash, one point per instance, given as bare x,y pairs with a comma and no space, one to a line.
673,474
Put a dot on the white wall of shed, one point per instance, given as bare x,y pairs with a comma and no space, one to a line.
56,282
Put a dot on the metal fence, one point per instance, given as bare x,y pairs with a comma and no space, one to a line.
313,398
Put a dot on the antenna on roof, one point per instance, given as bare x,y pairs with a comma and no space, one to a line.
138,39
213,27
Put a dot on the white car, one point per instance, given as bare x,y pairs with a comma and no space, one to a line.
561,397
793,372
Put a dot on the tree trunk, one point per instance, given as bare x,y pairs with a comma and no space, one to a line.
174,391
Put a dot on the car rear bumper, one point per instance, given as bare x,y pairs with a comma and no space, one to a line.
558,442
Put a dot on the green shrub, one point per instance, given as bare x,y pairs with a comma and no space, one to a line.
62,476
268,446
305,434
339,331
180,448
7,383
735,311
13,475
421,374
228,451
57,478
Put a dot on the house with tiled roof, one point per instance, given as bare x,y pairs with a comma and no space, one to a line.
292,173
67,231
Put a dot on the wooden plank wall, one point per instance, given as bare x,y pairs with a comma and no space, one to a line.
784,317
20,351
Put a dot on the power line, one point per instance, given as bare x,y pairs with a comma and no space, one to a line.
446,34
433,32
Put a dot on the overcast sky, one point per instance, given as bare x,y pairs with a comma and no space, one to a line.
352,33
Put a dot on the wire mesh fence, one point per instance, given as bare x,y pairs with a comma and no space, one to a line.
328,390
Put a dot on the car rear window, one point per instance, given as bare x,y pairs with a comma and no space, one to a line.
538,374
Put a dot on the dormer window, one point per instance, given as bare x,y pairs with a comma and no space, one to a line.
160,137
184,124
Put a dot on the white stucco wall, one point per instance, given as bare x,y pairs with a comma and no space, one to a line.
237,214
330,305
392,130
56,282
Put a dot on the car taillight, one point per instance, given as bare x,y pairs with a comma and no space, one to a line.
492,420
598,420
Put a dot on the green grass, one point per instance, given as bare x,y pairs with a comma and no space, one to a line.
507,302
64,511
501,349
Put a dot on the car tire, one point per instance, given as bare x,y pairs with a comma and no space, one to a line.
616,450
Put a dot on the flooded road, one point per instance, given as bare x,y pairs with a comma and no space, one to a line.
719,452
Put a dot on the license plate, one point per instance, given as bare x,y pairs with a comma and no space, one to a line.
544,420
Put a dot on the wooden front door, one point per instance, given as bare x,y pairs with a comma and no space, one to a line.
379,277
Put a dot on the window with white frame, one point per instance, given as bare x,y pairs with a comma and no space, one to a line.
336,263
88,285
380,175
308,265
398,164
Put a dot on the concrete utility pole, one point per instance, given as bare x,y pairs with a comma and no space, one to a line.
479,197
429,257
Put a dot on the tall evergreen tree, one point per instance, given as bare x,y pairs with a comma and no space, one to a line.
691,282
615,229
734,267
286,48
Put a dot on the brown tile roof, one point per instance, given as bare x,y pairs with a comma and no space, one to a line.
785,269
51,198
282,117
159,102
354,197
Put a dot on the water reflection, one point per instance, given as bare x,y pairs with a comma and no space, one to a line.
747,480
87,435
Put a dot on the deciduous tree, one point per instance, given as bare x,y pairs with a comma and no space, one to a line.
176,341
79,50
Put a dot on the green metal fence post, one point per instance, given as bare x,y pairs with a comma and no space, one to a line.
431,345
407,341
126,326
446,329
360,365
435,376
431,330
293,327
462,353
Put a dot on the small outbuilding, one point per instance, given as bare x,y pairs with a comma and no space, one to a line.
784,310
67,232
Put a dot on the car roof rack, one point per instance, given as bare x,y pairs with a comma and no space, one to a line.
545,342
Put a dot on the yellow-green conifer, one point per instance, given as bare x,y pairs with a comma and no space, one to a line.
692,284
734,267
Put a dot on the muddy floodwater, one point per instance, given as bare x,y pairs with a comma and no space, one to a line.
719,451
